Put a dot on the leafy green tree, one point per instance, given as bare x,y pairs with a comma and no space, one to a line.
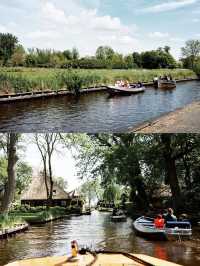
137,58
75,54
61,182
18,57
68,54
191,51
24,176
8,44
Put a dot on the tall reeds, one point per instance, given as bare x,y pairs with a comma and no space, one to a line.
17,80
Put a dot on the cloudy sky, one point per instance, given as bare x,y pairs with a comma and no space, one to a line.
126,25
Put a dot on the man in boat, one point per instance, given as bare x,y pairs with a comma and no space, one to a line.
170,217
139,85
159,222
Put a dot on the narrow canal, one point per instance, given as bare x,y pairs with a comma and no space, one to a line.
96,231
95,112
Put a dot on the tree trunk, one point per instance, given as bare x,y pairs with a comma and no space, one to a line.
171,171
49,152
11,170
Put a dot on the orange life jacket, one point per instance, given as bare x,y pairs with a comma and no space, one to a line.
159,222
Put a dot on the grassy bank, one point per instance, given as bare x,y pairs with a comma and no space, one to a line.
10,221
40,215
15,80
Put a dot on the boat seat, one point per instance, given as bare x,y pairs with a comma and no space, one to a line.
182,225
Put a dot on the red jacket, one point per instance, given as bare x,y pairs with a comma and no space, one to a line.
159,222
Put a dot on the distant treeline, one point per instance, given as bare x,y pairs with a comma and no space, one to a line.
13,54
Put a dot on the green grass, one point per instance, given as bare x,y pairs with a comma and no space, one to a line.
14,80
32,217
10,221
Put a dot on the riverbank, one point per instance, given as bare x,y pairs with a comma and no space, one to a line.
11,225
183,120
23,80
41,216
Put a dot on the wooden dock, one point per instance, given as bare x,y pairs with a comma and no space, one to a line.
5,233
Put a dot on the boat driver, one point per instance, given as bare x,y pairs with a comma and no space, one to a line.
170,217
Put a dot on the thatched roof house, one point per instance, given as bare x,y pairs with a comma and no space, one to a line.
36,194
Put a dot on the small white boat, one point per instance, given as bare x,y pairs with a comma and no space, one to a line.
118,218
166,84
117,90
145,227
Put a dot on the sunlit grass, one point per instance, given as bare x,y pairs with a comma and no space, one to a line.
15,80
10,221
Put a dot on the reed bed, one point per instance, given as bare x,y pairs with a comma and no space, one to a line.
10,221
16,80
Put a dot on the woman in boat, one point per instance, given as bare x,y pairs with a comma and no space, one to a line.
126,84
159,222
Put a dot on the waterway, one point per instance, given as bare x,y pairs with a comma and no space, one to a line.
95,112
96,231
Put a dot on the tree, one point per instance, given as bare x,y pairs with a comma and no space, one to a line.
167,49
18,57
46,144
8,44
191,51
75,54
11,150
104,53
137,59
61,182
68,54
24,176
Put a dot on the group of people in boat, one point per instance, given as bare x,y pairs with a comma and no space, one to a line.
165,78
161,220
126,84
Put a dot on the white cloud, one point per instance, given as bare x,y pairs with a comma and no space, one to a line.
158,35
169,6
85,29
195,20
3,29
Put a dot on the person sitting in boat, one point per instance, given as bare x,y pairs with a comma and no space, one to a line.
139,85
126,84
74,248
122,83
170,217
118,83
159,222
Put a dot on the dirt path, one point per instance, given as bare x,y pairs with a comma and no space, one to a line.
184,120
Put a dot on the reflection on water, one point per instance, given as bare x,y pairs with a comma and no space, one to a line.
95,112
96,231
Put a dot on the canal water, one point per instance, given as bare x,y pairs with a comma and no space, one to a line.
95,112
96,231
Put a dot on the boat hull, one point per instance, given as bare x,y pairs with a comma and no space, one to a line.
118,219
145,227
164,84
109,258
124,91
149,232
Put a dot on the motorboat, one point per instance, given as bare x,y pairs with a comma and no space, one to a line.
144,226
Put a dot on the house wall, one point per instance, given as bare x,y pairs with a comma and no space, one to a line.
57,202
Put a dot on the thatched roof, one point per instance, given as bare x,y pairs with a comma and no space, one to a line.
37,190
